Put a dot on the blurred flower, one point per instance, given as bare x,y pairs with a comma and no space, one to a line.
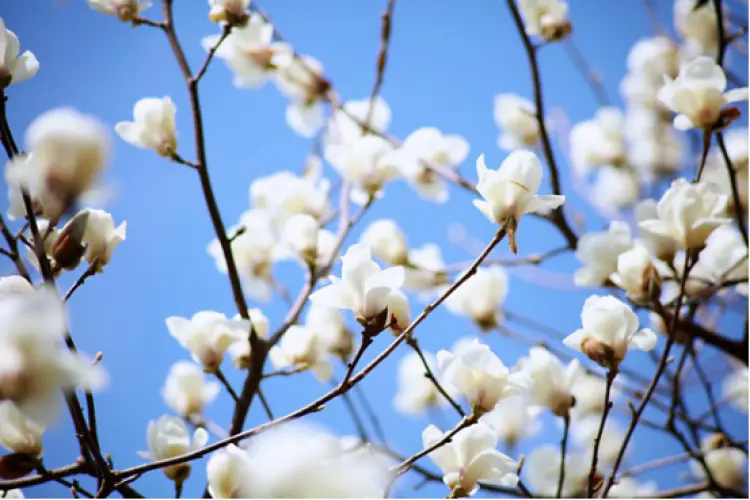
551,382
585,431
599,252
208,335
513,419
589,391
474,370
416,393
301,236
736,388
662,247
331,331
470,456
344,125
426,269
725,256
697,95
14,68
186,390
688,213
240,350
598,142
637,275
366,163
698,23
615,188
480,296
301,80
169,437
153,126
545,17
18,433
542,470
387,241
516,117
301,349
284,194
230,12
736,142
295,461
728,466
654,56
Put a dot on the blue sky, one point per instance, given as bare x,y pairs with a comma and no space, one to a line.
445,65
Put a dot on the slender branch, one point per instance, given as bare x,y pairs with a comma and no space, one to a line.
220,376
90,271
204,67
739,211
611,374
563,450
412,342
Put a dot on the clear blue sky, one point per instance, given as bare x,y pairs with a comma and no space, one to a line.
446,64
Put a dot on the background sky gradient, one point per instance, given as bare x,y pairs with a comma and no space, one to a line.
446,63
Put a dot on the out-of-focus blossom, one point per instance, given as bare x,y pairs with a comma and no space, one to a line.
614,189
516,118
512,420
169,437
542,471
153,126
728,466
301,349
18,433
301,80
240,350
387,241
207,335
637,275
186,390
366,163
416,393
546,18
230,12
551,382
480,297
599,253
331,331
598,142
736,388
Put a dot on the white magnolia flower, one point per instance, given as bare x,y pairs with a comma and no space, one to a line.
542,470
598,142
248,51
387,241
254,252
584,432
426,269
589,391
642,90
344,126
301,349
153,126
654,56
169,437
125,10
34,367
416,393
735,388
470,457
662,247
688,213
510,191
101,237
551,382
655,149
68,150
610,329
544,17
727,465
637,275
231,12
698,94
18,433
480,296
15,493
516,117
331,331
14,68
365,162
736,142
363,288
240,350
627,487
423,148
301,236
186,390
475,371
599,253
512,420
697,24
208,335
284,194
614,189
12,285
301,80
295,461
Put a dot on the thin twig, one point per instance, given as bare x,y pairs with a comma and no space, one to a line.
563,449
611,374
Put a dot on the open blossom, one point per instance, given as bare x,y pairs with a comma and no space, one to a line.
661,246
67,150
513,419
698,94
207,335
551,382
387,241
610,329
365,162
735,388
231,12
542,470
169,437
416,393
637,275
598,142
516,117
14,68
426,269
545,17
654,56
301,349
697,23
18,433
426,147
33,365
469,457
688,213
474,370
510,191
248,51
240,349
330,330
153,126
295,461
125,10
186,390
599,253
254,250
344,125
101,237
284,194
480,296
301,80
728,465
363,288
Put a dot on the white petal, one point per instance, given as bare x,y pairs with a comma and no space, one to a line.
644,339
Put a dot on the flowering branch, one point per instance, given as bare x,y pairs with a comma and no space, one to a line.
611,374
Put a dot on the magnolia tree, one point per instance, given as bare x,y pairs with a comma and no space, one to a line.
668,276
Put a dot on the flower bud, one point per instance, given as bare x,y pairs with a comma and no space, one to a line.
69,248
16,465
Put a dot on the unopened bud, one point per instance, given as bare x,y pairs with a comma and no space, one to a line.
16,465
69,248
601,353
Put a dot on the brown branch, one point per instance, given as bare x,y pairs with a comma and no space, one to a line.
611,374
563,449
90,271
412,342
739,211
